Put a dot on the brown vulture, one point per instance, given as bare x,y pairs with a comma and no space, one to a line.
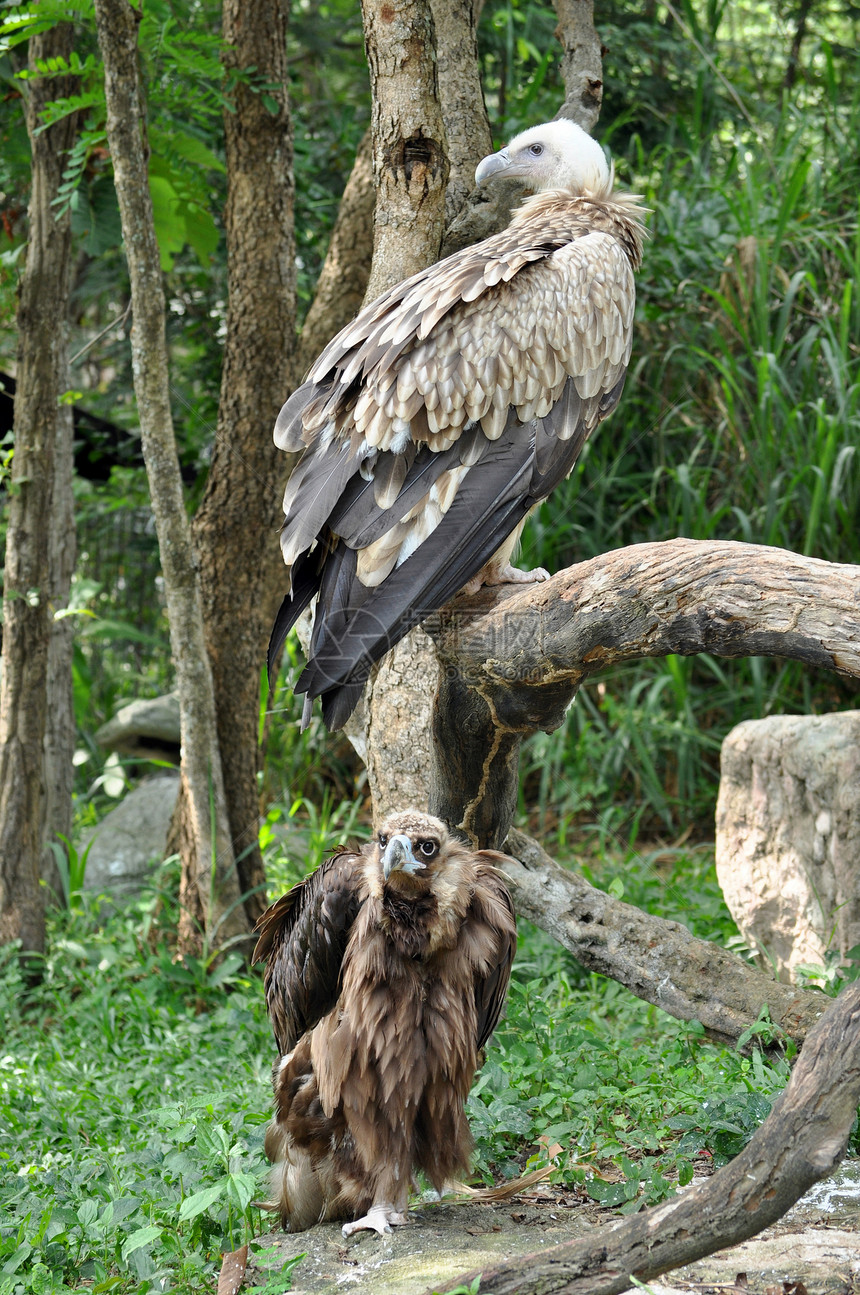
449,408
386,970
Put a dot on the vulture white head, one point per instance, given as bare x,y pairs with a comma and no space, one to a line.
557,155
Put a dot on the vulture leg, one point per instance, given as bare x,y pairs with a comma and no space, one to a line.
498,571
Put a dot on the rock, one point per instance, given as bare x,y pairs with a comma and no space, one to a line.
788,836
147,729
129,841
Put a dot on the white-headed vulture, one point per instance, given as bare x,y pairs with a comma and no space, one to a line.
386,970
450,407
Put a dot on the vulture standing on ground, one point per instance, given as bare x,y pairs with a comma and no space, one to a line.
436,421
386,971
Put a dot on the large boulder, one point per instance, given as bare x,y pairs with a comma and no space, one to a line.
788,836
129,842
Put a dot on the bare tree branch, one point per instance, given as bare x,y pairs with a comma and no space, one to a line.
801,1142
657,960
514,659
344,277
581,62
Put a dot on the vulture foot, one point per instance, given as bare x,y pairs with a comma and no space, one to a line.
379,1218
506,575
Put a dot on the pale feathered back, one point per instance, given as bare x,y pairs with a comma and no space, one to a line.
451,406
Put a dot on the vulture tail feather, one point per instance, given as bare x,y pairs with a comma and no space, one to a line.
305,587
486,1195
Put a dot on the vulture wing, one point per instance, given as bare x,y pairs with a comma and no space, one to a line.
492,905
438,419
303,937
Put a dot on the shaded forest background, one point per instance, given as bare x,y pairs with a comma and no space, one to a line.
740,420
740,415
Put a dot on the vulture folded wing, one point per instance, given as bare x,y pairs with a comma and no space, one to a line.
492,499
492,907
303,937
438,419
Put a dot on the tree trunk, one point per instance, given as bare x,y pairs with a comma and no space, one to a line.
210,860
514,658
343,279
581,62
801,1141
60,729
410,166
410,171
467,130
241,571
41,483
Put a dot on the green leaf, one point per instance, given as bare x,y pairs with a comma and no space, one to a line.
142,1237
200,1201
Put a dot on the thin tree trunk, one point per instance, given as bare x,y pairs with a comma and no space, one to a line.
410,166
343,279
33,591
801,1141
210,858
241,571
467,130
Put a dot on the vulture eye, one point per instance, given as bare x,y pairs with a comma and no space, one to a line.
383,840
536,149
428,848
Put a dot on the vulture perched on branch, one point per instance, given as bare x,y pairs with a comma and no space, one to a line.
449,408
386,971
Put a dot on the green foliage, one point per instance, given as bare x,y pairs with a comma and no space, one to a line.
578,1062
129,1159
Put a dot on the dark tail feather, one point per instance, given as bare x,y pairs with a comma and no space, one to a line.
305,587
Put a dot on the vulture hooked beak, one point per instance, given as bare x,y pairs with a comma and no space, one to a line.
398,855
492,165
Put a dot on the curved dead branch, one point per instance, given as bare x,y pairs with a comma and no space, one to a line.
801,1142
659,961
513,659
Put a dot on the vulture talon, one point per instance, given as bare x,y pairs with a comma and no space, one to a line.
381,1219
450,407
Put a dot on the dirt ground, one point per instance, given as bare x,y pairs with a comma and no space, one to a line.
814,1250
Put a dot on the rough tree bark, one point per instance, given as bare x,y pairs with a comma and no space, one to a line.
212,863
514,659
467,130
410,166
802,1141
36,587
410,172
241,571
581,62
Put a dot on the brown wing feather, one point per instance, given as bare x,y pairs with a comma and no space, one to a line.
303,936
493,906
